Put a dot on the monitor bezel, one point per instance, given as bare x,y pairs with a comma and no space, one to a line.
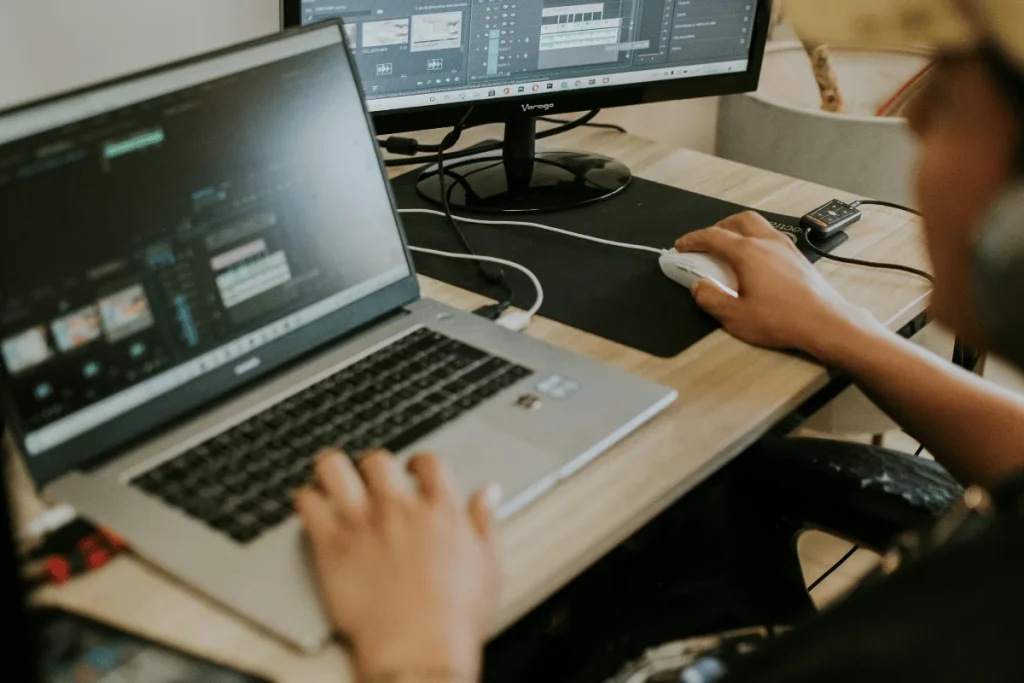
600,97
135,427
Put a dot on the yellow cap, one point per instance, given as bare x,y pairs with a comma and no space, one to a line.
945,25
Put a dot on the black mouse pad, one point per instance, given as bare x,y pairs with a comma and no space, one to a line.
617,294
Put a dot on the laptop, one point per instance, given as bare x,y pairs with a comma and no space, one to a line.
204,281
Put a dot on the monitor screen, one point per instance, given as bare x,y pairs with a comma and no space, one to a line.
165,236
417,53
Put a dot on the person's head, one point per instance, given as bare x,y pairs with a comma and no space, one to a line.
970,125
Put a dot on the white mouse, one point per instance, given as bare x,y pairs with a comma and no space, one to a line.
688,268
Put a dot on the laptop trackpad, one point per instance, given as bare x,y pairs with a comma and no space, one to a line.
480,454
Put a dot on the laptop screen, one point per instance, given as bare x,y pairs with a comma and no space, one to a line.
168,238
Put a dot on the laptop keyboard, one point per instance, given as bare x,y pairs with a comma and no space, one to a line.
241,482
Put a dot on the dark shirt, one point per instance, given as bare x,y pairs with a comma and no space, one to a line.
955,617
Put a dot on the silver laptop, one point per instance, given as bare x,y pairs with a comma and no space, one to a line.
204,281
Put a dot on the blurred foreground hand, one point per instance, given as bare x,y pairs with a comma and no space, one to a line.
407,574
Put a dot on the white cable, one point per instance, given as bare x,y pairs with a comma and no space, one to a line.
517,321
539,226
48,522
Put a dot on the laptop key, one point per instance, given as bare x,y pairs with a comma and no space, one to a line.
440,375
355,445
468,402
424,382
249,506
211,492
272,518
407,392
243,534
507,379
380,430
483,371
152,481
222,521
416,410
449,414
236,485
201,508
174,495
414,434
488,389
437,398
469,353
519,372
456,386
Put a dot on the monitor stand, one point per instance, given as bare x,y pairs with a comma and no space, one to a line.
522,180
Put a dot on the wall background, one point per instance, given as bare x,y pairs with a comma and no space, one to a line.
51,45
47,46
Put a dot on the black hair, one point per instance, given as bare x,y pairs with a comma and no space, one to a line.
1010,79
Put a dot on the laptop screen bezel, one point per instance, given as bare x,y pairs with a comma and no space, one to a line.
99,445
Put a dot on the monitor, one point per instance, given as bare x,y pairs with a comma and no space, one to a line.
426,64
175,235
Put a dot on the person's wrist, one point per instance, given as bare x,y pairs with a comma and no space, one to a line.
842,334
435,657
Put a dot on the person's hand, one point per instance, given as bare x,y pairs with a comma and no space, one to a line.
784,302
409,576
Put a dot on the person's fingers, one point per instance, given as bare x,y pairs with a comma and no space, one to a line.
317,516
341,481
382,475
435,479
715,241
749,224
712,299
482,507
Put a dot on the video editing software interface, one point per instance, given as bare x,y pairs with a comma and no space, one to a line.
421,52
147,247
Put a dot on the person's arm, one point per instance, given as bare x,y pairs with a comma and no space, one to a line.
408,574
973,428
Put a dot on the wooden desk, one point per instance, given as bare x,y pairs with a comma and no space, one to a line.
730,395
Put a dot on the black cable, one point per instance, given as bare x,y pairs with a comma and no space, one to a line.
866,264
891,205
607,126
571,125
410,146
963,357
498,279
919,451
834,567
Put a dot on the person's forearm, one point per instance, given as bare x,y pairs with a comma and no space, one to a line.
973,428
407,661
419,677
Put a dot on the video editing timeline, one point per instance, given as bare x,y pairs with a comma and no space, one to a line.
531,38
514,47
188,234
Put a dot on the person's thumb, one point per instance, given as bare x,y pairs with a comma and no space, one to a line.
482,507
712,298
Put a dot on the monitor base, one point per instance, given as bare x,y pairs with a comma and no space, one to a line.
556,181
